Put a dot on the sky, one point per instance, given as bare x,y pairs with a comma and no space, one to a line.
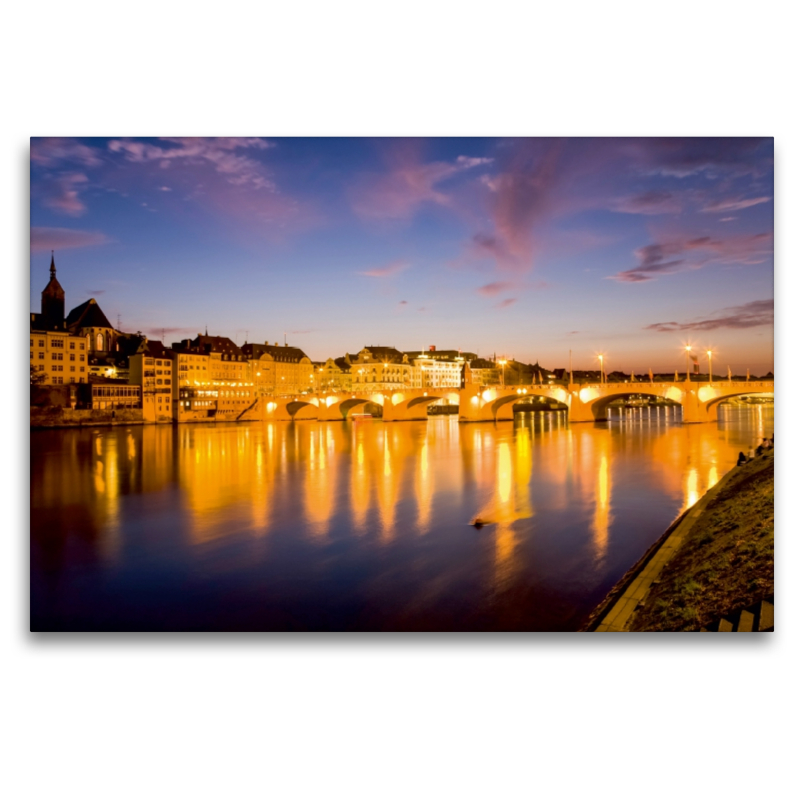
526,248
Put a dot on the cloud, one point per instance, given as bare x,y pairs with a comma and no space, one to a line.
509,301
522,196
95,292
221,154
164,189
52,152
678,255
62,193
680,157
157,333
492,289
735,205
727,219
43,239
398,193
393,268
653,202
749,315
403,303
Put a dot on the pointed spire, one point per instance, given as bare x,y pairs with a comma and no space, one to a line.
52,263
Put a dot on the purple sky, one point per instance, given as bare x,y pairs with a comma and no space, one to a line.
528,248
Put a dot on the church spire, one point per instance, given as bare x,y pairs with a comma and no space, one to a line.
52,263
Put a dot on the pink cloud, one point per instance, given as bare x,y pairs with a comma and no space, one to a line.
735,205
222,154
749,315
509,301
43,239
393,268
398,193
522,197
51,152
653,202
492,289
63,194
678,255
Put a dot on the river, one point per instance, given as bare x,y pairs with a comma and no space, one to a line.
360,525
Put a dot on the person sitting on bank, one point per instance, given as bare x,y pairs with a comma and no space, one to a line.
742,459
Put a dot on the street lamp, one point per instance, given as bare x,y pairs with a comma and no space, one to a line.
503,363
710,374
688,350
602,371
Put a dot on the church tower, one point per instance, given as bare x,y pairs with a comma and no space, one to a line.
53,299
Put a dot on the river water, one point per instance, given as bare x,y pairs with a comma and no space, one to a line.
360,525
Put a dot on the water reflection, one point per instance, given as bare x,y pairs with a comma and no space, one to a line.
361,523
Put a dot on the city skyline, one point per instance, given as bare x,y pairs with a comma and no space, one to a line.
528,248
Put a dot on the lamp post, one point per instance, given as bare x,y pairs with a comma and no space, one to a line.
503,363
688,350
710,374
602,371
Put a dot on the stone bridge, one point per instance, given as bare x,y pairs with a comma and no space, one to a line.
583,402
589,402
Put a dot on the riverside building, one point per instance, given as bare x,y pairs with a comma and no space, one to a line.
57,355
284,370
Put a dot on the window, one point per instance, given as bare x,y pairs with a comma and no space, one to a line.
57,343
72,356
83,345
31,355
41,356
82,369
72,369
72,345
41,342
31,342
82,358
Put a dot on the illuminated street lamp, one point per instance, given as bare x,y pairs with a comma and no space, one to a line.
503,363
688,351
602,371
710,374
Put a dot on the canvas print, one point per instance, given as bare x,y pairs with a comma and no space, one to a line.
393,384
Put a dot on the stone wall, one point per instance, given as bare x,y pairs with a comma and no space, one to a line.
55,417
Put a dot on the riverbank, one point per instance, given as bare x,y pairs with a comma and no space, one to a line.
716,560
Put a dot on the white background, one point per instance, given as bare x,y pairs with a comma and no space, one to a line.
395,716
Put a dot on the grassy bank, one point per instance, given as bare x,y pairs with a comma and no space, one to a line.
726,561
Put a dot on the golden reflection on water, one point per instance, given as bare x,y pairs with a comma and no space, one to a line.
376,478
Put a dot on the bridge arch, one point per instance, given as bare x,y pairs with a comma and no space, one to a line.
712,405
600,406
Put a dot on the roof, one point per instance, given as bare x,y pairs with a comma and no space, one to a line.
41,323
217,344
88,315
482,363
154,349
383,353
293,355
342,363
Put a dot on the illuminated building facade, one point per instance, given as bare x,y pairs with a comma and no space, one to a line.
213,379
56,356
284,369
380,369
151,369
335,375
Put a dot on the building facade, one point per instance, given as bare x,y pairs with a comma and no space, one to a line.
280,370
151,369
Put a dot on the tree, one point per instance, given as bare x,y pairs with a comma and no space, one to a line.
37,376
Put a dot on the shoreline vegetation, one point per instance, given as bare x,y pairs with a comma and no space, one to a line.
724,565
